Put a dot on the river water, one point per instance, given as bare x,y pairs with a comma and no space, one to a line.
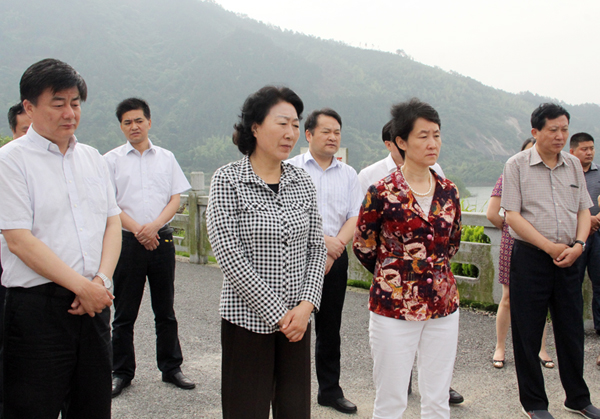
480,195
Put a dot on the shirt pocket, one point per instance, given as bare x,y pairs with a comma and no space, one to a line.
161,183
297,220
96,194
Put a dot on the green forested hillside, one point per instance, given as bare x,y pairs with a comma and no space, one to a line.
195,63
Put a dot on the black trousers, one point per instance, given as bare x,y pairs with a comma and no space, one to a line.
135,264
258,370
53,359
327,329
537,284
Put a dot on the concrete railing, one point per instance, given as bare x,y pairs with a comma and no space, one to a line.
485,288
194,240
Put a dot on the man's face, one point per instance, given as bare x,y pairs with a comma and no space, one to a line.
23,123
325,141
56,115
135,126
552,138
585,153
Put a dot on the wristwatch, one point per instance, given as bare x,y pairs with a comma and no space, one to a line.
582,243
107,281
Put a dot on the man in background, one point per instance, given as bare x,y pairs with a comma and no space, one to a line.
582,147
18,120
148,182
338,198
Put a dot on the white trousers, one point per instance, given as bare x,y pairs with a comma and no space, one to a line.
394,344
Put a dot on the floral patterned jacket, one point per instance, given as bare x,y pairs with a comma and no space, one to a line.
407,251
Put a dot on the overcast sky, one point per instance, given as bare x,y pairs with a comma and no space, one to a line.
548,47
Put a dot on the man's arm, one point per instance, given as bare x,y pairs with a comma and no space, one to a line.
93,297
336,245
528,233
111,250
570,254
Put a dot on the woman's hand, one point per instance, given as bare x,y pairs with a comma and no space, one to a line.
294,323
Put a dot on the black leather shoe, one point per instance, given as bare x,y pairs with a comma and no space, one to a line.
455,397
179,380
118,384
341,405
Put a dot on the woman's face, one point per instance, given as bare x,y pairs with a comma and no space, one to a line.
424,143
278,133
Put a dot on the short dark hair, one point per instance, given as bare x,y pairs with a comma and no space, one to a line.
405,114
13,112
50,74
255,109
547,111
528,141
311,121
132,104
580,137
386,132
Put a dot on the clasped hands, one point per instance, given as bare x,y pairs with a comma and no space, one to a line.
148,236
563,255
295,321
92,298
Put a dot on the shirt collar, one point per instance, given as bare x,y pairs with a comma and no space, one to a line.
535,158
46,144
248,175
309,157
129,148
390,164
593,166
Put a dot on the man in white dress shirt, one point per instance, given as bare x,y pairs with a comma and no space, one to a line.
339,198
148,182
61,241
381,169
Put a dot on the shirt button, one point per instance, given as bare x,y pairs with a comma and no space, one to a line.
75,205
85,253
429,259
81,229
429,237
429,280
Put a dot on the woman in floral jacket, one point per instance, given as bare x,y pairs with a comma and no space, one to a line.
407,231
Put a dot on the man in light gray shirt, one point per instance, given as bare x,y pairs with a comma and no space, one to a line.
547,209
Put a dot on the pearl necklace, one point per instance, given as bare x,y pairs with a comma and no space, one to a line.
410,187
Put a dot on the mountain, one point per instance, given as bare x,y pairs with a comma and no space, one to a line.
195,63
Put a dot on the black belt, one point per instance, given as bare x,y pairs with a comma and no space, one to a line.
524,243
50,289
167,229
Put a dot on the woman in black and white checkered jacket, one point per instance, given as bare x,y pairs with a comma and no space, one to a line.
266,233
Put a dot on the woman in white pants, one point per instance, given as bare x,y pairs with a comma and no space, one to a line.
407,231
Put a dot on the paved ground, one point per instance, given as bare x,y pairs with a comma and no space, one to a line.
489,393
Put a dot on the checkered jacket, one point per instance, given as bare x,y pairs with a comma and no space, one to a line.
269,245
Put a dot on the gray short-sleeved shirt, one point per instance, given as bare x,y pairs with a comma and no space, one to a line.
547,198
592,180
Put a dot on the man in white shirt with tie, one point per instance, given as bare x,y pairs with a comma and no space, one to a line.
338,198
148,182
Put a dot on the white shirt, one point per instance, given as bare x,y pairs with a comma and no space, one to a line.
63,200
144,183
338,191
383,168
